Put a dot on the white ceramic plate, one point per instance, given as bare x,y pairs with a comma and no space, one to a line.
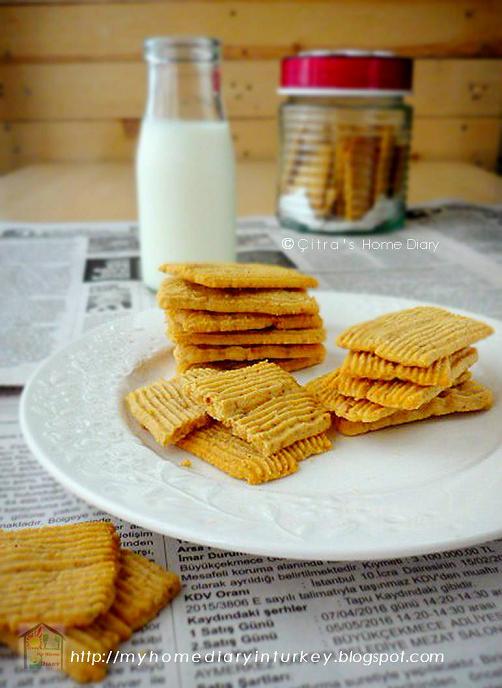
419,488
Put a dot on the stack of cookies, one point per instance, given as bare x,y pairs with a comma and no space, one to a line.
344,168
77,582
226,315
402,367
254,424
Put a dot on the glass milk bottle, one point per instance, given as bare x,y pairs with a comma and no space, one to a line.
185,163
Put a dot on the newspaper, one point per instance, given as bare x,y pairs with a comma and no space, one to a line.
244,621
59,281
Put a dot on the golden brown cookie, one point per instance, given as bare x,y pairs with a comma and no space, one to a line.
261,404
310,446
339,175
176,293
216,445
406,395
294,153
143,589
187,355
58,574
251,337
397,394
399,168
469,396
415,336
289,364
325,389
359,156
313,175
385,149
442,372
186,320
292,364
354,409
281,421
165,411
240,275
235,392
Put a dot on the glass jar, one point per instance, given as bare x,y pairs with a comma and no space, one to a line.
185,162
345,140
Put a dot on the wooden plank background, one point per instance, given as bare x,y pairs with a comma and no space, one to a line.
72,81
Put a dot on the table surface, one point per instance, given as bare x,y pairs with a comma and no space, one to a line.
55,192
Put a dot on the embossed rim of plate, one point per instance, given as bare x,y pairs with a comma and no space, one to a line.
66,397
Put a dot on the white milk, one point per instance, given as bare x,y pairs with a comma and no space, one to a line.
186,194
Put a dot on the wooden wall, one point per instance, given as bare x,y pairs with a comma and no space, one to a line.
72,81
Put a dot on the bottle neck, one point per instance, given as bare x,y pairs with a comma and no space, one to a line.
183,79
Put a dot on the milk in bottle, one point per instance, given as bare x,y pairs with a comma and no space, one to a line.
185,163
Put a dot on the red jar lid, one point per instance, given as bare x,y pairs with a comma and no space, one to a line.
349,72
